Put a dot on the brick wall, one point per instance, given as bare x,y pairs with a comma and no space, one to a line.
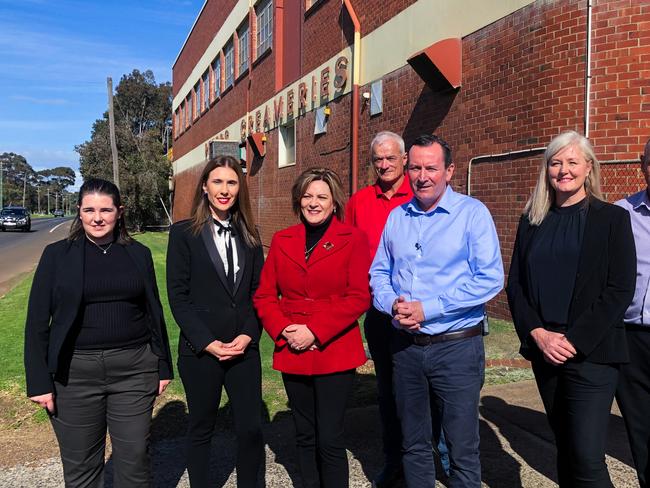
523,82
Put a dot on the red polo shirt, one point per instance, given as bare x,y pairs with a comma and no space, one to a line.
368,210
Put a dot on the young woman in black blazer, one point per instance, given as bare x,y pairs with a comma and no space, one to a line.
96,348
571,279
214,261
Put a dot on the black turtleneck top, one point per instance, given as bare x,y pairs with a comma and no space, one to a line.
314,233
553,261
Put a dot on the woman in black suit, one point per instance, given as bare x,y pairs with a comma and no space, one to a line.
214,262
571,279
96,348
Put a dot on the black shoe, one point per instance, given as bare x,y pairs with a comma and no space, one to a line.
389,477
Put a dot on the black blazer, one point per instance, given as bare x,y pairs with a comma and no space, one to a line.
604,286
55,302
204,306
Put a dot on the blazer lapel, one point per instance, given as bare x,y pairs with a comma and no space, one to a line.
292,245
242,254
591,247
73,277
211,248
335,238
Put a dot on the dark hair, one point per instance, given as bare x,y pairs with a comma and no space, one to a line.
427,140
103,187
318,174
241,211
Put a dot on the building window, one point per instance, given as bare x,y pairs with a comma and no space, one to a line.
177,122
287,146
229,63
197,100
216,69
188,110
243,35
206,90
264,12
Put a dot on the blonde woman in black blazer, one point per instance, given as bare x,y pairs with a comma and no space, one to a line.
96,348
214,262
571,279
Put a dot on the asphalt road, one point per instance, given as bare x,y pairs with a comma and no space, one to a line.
20,251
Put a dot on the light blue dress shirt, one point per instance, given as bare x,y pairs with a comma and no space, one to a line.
638,205
448,259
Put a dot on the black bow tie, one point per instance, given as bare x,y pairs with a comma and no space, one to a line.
224,228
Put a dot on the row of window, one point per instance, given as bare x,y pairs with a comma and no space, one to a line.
221,73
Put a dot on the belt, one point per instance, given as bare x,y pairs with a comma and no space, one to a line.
427,339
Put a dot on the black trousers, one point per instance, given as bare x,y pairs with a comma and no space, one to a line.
578,398
318,409
203,378
113,388
378,331
633,397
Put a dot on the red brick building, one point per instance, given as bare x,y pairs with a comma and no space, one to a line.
497,80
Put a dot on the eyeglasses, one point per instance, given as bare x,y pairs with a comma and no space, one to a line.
390,159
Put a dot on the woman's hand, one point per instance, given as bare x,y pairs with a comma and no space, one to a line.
299,337
555,346
46,401
217,349
239,343
162,386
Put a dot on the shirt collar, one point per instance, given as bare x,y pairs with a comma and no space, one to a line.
641,199
404,188
444,205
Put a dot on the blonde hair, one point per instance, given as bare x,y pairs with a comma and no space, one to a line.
318,174
241,212
543,195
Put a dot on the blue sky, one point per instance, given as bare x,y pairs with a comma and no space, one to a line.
55,56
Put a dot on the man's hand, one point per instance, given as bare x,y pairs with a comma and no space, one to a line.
409,315
46,401
217,349
555,346
299,337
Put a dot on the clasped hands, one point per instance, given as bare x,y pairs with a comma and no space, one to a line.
409,315
299,337
555,347
224,351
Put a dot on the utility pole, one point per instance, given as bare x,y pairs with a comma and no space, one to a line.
24,187
48,199
111,126
38,197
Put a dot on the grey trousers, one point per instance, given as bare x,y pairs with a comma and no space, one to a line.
113,388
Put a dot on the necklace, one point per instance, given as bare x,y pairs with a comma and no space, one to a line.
104,250
310,250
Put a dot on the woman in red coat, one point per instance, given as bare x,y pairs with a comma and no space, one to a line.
313,288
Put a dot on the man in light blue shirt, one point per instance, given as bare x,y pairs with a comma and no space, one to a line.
437,265
633,392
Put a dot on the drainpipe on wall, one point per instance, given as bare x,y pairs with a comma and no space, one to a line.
588,70
487,157
356,70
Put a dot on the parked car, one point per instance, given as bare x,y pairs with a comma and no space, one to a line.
59,213
15,218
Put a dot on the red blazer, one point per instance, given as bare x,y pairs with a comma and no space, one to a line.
328,293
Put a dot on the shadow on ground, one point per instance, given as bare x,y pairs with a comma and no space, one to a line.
524,430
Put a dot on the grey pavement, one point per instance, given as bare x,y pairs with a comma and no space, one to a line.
516,448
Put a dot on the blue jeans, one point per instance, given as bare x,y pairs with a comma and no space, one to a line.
452,372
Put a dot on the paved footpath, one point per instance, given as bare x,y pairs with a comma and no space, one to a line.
516,449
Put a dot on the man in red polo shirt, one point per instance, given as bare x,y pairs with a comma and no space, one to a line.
368,210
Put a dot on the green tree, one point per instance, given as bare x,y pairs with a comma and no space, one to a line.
142,113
